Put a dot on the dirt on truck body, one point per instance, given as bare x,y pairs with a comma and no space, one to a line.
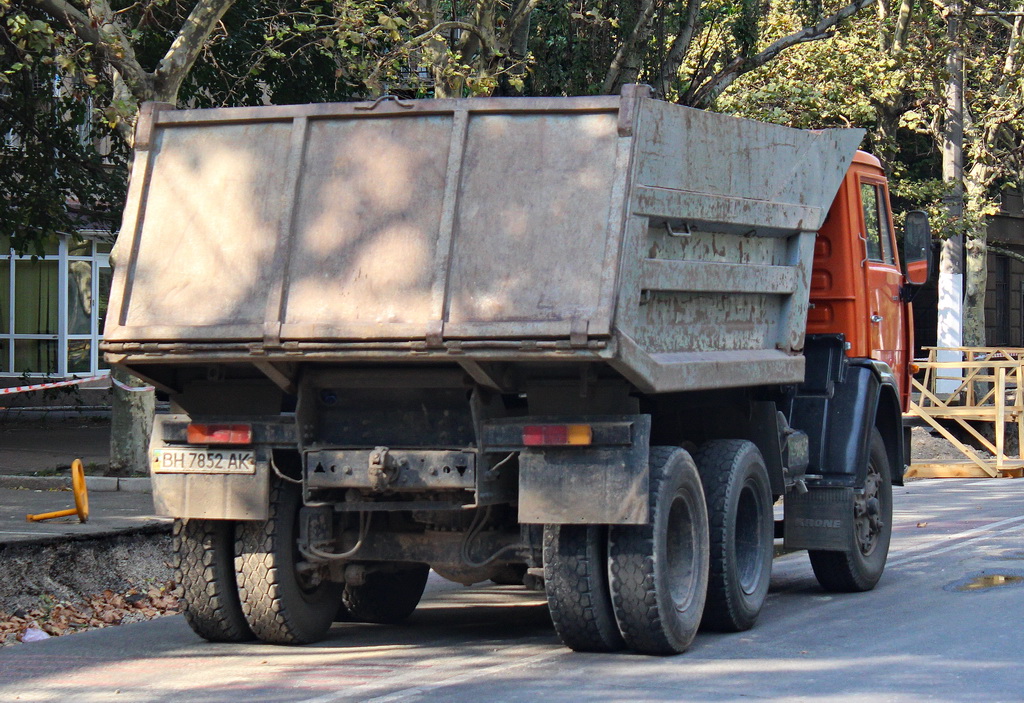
564,339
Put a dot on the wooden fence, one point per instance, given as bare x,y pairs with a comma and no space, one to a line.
987,391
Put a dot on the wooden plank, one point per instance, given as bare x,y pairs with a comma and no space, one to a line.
967,413
963,470
1000,418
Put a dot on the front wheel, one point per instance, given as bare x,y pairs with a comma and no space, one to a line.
659,571
285,600
859,567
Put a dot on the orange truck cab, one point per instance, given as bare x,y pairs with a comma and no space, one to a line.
860,311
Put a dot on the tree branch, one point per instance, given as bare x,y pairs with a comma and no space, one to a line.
902,32
186,47
419,40
99,29
485,40
519,16
1006,252
1011,64
680,46
625,53
740,65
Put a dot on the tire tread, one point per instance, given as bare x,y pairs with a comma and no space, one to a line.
717,461
267,601
635,597
576,584
204,567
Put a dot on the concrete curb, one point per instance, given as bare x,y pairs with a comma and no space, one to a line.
135,485
92,483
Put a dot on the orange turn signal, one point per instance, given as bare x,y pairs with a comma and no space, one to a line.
557,435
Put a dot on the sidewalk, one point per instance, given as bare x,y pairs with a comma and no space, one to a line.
34,478
28,448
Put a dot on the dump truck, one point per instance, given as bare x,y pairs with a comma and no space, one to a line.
588,344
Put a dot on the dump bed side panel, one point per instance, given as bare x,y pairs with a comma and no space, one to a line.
719,246
362,251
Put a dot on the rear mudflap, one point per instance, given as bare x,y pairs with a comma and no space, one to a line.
820,519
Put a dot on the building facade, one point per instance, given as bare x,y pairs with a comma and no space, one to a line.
52,307
1004,298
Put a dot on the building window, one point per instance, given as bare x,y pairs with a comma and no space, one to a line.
52,307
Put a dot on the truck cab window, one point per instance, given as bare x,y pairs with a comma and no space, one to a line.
876,224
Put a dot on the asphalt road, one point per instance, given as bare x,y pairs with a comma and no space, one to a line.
916,637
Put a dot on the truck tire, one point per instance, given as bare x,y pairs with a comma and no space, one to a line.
659,571
386,597
859,568
742,529
576,585
281,605
204,566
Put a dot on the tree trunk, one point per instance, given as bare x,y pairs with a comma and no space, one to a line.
130,426
975,283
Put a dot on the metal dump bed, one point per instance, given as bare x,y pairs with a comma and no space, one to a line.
672,243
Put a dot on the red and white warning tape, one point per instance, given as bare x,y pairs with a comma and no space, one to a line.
126,387
72,382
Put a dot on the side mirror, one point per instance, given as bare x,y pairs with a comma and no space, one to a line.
917,247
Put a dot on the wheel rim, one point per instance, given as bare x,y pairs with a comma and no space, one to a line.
682,553
749,539
867,512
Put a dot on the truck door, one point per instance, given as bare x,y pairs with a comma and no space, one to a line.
884,279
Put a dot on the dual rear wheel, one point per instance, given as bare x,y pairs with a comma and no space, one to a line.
650,587
246,580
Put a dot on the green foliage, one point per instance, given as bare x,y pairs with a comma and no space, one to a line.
58,172
298,51
853,79
572,46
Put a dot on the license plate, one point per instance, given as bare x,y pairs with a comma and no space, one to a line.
203,461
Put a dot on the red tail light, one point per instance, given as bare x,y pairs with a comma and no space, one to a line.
557,435
219,434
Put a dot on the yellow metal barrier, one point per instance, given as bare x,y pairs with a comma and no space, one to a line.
81,498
